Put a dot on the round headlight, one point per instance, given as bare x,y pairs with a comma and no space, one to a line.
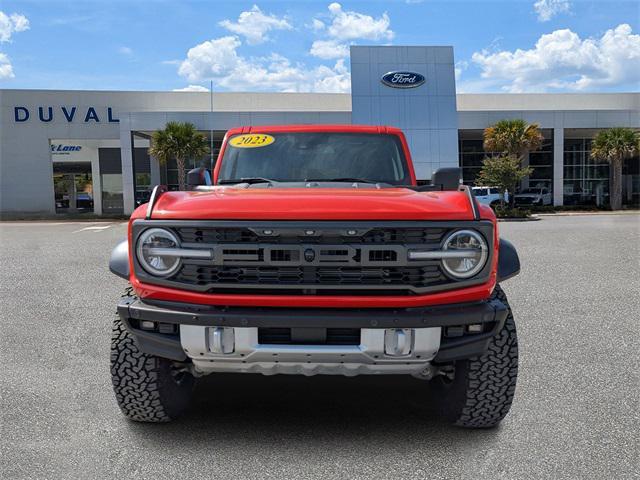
468,255
152,252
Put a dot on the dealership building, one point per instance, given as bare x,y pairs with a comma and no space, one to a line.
86,151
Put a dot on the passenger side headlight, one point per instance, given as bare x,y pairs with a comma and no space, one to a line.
154,252
466,253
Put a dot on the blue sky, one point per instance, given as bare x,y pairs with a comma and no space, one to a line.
500,46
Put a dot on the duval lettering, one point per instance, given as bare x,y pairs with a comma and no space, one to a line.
48,114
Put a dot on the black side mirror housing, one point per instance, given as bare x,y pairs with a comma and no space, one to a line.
198,177
448,178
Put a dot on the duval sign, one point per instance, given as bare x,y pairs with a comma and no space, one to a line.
403,79
69,114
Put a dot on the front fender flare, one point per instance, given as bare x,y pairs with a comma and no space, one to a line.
508,261
119,261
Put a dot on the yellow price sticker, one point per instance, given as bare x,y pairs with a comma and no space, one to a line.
251,140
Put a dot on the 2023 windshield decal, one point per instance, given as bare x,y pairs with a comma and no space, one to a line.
251,140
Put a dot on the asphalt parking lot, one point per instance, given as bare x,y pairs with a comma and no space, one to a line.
575,415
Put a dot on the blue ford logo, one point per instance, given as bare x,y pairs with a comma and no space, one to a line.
403,79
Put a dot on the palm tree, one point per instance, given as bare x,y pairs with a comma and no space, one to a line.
513,137
180,141
615,145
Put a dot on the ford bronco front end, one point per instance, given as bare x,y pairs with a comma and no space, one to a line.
315,252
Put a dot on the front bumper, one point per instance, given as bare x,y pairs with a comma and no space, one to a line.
438,334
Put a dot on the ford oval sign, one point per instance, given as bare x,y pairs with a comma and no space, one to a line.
402,79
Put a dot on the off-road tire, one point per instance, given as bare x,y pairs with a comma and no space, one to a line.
482,390
147,388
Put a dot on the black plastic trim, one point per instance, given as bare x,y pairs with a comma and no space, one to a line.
508,261
436,316
168,346
119,261
469,345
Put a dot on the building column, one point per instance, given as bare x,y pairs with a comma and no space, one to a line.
96,181
558,167
126,159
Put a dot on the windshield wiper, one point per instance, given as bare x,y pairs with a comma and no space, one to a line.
342,179
249,180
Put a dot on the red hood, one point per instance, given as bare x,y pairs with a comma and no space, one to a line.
231,203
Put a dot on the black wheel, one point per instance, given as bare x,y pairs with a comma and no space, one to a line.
482,389
147,388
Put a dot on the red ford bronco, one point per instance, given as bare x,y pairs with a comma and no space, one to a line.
314,251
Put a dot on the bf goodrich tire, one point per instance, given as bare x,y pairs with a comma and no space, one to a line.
147,388
482,390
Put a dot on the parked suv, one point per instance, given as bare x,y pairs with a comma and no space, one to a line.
533,196
315,252
489,195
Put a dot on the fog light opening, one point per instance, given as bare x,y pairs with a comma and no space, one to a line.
475,328
147,325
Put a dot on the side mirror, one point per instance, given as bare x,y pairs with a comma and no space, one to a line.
198,177
449,178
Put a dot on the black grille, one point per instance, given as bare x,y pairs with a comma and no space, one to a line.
418,277
432,235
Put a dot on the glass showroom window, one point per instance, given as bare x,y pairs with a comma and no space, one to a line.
142,170
541,161
586,181
471,155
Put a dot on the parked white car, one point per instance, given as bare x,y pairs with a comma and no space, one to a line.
489,195
534,196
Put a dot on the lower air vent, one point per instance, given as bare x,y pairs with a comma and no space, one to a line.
309,336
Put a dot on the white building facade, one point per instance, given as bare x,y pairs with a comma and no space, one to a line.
86,151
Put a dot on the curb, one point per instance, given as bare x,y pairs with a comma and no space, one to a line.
570,214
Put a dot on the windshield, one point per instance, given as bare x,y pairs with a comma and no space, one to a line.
534,191
297,157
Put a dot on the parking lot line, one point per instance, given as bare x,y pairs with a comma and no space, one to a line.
94,228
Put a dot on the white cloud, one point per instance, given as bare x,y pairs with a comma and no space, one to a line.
219,60
349,25
211,59
192,88
561,60
6,69
547,9
344,27
254,25
317,25
125,51
328,49
10,24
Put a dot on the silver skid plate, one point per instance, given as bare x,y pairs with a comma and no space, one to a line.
248,356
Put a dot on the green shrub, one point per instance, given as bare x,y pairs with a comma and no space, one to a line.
515,212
